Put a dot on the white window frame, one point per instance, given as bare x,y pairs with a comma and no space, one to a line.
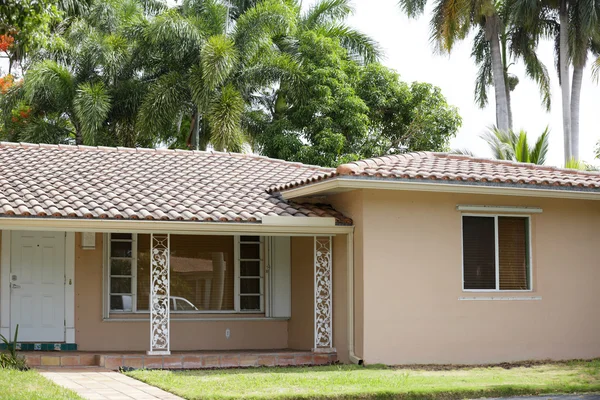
107,275
497,253
237,309
237,275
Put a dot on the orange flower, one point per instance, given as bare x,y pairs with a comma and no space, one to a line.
6,83
6,42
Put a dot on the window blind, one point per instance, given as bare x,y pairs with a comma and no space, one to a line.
513,254
479,253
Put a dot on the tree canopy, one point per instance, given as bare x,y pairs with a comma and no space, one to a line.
262,75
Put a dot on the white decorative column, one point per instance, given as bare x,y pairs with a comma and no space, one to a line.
159,295
323,295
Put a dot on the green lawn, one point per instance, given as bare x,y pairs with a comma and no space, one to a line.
30,385
350,381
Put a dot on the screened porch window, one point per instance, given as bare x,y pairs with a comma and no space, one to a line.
496,253
202,273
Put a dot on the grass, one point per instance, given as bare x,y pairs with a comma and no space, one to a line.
30,385
376,382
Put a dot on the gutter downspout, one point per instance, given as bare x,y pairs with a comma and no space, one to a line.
350,302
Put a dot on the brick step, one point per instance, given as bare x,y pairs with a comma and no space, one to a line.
199,360
60,359
224,360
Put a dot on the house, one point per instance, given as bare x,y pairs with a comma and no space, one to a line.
414,258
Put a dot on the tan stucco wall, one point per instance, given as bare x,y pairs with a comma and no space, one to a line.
351,204
412,282
92,333
301,330
301,325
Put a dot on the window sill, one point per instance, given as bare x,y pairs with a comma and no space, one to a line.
196,318
501,298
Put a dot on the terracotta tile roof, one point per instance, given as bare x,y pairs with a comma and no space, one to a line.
452,168
119,183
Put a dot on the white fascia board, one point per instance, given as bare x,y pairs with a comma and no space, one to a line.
340,184
173,227
295,221
499,209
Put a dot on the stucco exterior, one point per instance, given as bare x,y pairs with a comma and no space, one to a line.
408,263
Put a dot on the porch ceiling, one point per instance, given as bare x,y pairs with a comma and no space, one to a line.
78,182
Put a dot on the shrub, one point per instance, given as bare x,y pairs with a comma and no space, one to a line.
10,358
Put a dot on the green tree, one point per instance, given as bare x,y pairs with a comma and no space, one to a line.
452,21
515,147
30,22
576,33
207,69
86,85
348,111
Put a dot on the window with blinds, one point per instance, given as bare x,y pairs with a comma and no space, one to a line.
496,253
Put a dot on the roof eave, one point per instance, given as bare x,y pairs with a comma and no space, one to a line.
345,183
173,227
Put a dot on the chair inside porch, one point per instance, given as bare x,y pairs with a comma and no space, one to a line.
179,360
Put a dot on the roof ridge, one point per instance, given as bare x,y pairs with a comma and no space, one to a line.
75,147
513,163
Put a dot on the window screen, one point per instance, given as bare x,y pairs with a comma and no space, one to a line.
496,246
121,266
202,273
251,281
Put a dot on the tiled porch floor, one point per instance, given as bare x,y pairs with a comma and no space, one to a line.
178,360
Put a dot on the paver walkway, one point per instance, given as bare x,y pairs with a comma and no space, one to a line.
102,384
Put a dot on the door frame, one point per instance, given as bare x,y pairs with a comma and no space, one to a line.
69,334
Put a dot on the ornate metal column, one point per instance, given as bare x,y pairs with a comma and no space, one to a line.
159,294
323,295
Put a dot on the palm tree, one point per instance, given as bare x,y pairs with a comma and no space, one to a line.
577,32
208,70
87,84
452,21
517,42
512,146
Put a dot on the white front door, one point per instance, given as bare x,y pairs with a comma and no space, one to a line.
37,286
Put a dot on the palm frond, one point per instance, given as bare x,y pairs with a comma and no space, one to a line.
596,70
576,164
208,16
521,148
539,151
219,58
450,22
361,47
257,26
501,143
413,8
462,152
524,45
50,86
225,117
173,36
326,11
91,106
482,55
163,102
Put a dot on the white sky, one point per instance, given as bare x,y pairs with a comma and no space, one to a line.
407,49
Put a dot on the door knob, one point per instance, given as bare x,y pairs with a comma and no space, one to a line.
15,286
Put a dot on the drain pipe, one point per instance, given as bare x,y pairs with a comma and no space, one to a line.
350,302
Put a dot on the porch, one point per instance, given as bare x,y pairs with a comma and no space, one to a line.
178,359
256,299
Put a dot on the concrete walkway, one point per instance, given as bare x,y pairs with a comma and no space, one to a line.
93,383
